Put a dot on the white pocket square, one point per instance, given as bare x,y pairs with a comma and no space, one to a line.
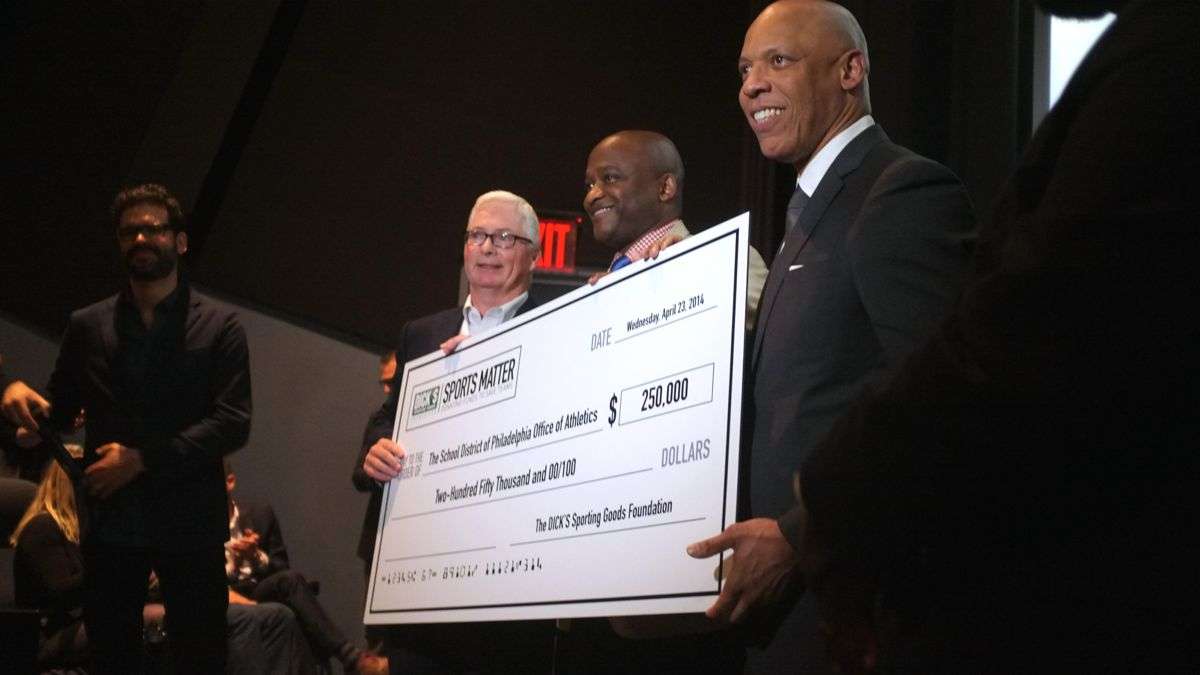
793,268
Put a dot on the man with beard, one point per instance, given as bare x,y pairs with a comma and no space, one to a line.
500,250
163,373
1021,496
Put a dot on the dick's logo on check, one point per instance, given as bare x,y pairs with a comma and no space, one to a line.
425,401
469,387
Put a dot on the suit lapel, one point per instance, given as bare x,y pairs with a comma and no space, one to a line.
827,190
451,326
108,332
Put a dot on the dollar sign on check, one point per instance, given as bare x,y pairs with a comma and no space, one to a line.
612,410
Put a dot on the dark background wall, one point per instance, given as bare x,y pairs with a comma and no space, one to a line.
329,153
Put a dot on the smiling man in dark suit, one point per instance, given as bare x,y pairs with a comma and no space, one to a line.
500,250
878,243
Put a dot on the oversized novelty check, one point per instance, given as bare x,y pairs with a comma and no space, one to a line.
559,465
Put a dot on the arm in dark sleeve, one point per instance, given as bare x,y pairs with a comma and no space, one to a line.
381,422
379,425
226,425
271,541
910,252
63,390
54,560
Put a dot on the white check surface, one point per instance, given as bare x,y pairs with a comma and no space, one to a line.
558,466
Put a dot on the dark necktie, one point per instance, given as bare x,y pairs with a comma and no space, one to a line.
619,263
795,206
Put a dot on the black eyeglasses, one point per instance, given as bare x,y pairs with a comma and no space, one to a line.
149,231
501,239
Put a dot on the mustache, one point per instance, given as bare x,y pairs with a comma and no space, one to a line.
141,247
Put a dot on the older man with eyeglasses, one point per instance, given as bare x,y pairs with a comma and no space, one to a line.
500,250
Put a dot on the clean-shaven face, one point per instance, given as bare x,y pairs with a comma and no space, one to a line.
622,192
790,93
489,267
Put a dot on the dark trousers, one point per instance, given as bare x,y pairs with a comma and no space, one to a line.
195,597
290,588
265,639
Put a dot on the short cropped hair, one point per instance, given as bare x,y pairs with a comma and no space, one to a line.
149,193
528,216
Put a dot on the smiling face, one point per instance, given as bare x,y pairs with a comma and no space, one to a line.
150,249
801,77
625,194
503,273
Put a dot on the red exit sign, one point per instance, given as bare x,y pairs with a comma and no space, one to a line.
558,244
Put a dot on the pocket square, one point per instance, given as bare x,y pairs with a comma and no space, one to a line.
793,268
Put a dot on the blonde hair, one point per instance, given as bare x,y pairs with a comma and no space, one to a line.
55,497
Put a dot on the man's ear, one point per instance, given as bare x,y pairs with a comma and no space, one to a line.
667,187
853,70
181,242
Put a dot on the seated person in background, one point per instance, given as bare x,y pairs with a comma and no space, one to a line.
266,638
256,562
48,575
260,638
48,570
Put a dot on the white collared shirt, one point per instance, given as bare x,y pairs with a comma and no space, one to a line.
475,323
818,165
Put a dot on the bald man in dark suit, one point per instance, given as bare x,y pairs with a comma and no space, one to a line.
878,244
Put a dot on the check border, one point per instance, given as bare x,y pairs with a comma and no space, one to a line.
738,291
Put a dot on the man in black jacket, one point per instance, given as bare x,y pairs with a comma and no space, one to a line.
163,373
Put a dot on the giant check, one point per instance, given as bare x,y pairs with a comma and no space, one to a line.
559,465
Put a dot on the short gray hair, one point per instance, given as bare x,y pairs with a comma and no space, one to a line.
528,216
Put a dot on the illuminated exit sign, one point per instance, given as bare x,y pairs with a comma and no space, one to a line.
559,236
